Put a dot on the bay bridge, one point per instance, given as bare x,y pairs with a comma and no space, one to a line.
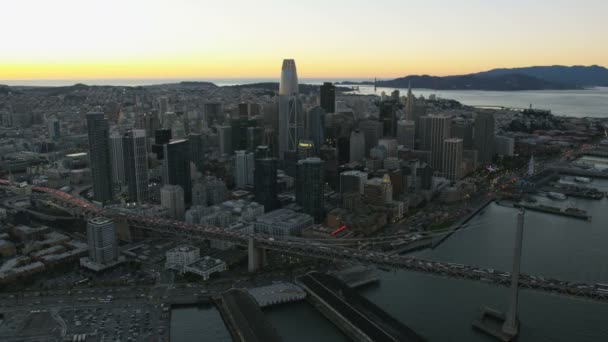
257,243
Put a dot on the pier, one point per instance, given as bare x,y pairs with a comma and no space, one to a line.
568,212
355,316
575,191
244,318
278,293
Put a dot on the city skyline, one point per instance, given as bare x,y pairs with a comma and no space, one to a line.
158,39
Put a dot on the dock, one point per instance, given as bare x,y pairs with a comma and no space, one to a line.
244,318
568,212
575,191
277,293
357,317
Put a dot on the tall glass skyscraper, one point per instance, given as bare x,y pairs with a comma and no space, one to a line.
310,187
291,116
136,164
99,154
176,166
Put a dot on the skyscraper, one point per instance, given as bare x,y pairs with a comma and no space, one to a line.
463,129
357,146
484,136
372,130
310,187
101,238
136,164
291,116
54,128
440,130
316,127
172,198
176,166
99,148
410,104
244,166
265,185
328,97
161,137
352,181
406,133
452,158
225,137
117,160
388,117
196,150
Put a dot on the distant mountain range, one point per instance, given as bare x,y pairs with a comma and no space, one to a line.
528,78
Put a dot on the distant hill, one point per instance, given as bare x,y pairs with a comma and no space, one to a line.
578,76
475,82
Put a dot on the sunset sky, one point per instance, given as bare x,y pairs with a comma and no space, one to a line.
77,39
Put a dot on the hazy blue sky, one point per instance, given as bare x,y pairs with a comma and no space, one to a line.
242,38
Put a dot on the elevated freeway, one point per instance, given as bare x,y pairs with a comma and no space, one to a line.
316,249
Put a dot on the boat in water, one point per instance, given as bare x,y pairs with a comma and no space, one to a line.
582,179
557,196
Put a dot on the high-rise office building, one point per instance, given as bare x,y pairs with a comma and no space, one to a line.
172,198
484,136
390,146
117,161
225,137
410,105
101,238
99,154
255,136
197,156
372,130
463,129
176,166
378,191
239,128
452,158
265,185
357,146
352,181
306,149
440,130
244,166
199,194
163,107
54,128
388,117
406,133
316,127
161,137
291,115
136,164
423,132
328,97
262,151
213,113
310,187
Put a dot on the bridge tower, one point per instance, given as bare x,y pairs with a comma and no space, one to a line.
256,257
491,319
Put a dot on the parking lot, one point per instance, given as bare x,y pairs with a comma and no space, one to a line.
129,322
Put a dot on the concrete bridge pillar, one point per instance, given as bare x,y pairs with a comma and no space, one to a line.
256,257
511,324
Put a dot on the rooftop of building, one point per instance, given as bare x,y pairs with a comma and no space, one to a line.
183,249
283,215
100,220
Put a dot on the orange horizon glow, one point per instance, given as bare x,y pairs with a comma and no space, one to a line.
154,39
